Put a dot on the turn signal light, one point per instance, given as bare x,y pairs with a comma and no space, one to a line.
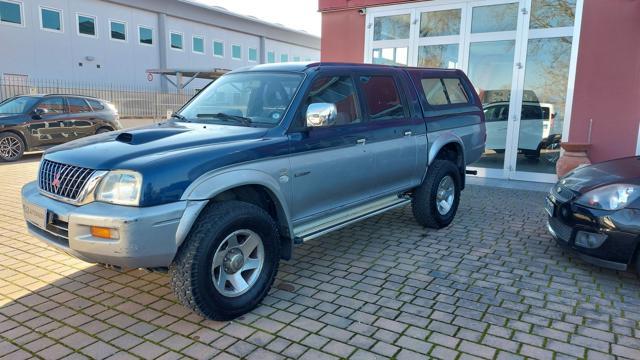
103,232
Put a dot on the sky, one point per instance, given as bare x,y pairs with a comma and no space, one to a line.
295,14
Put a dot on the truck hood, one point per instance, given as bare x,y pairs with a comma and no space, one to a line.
127,148
624,170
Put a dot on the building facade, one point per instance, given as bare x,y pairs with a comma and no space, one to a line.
547,71
116,41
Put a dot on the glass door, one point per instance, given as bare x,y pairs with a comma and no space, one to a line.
519,55
542,95
492,51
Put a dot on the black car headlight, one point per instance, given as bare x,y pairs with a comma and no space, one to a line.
610,197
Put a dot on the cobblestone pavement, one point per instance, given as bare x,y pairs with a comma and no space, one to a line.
493,285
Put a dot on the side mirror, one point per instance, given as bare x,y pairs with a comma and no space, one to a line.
40,111
321,114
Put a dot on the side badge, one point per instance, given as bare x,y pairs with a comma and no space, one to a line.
284,179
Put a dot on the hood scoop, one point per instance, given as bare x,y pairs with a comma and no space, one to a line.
143,136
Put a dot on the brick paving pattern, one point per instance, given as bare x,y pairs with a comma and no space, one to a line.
493,285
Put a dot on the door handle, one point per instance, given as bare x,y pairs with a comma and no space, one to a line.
361,141
407,133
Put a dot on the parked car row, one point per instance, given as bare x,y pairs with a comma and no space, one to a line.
38,122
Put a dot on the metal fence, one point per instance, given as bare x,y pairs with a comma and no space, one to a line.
132,101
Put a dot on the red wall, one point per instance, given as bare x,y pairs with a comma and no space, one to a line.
342,36
343,28
607,87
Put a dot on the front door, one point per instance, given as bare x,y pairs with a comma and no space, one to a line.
48,129
331,164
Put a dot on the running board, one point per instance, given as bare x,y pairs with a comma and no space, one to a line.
339,220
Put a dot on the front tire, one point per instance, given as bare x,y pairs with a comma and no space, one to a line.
229,261
435,201
11,147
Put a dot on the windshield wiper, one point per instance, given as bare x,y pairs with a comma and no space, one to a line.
226,117
179,117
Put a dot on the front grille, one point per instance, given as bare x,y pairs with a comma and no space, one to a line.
63,180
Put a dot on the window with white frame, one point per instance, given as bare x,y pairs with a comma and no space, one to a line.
253,54
51,19
118,30
176,40
218,48
197,45
271,57
284,57
236,52
11,13
145,35
87,25
296,58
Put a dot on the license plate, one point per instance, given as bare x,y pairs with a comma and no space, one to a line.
35,215
549,206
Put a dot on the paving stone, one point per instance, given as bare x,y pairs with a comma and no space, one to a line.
493,284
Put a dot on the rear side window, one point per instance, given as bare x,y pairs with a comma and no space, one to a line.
382,98
95,105
444,91
77,105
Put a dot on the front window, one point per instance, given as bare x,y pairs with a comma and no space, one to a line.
18,105
244,99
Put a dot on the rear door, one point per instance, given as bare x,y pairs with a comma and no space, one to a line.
80,121
393,131
330,165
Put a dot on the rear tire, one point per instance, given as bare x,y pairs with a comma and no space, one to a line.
11,147
435,201
205,275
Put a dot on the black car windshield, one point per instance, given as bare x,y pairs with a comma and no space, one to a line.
18,105
244,99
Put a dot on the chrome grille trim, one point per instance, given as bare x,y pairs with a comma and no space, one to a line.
76,182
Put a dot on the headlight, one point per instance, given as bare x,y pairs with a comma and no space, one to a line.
120,187
610,197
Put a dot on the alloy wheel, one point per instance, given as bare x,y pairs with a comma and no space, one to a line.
445,195
10,147
237,263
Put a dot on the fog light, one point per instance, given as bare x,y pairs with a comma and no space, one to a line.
103,232
589,240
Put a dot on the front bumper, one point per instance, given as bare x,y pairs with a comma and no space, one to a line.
618,249
147,235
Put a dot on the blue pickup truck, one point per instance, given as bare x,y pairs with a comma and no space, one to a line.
263,158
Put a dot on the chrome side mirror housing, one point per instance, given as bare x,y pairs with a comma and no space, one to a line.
321,114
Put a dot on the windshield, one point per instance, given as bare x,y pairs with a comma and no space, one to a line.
244,99
18,105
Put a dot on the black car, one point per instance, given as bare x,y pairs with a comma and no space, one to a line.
595,210
36,122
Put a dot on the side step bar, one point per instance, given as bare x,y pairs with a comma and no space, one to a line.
339,220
